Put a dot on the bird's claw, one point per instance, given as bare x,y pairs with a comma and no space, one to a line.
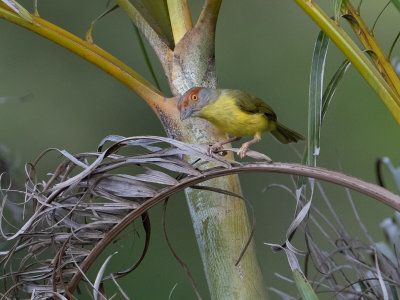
216,147
243,150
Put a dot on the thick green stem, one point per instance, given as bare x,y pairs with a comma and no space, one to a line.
220,222
180,18
221,226
370,43
91,53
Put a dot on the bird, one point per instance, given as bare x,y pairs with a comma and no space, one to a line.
236,113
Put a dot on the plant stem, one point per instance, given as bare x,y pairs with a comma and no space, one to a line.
354,54
210,11
370,43
180,18
220,222
91,53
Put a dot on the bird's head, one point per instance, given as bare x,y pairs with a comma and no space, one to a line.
191,103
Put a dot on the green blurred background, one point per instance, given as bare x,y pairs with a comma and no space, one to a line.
263,47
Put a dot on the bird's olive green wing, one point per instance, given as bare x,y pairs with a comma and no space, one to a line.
253,105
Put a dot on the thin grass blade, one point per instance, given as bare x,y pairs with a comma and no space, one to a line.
146,57
120,289
89,37
378,17
391,51
315,101
331,88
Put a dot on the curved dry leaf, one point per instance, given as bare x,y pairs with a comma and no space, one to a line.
123,185
82,205
140,142
84,198
97,282
155,177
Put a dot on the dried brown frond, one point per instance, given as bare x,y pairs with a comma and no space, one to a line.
83,205
82,200
344,266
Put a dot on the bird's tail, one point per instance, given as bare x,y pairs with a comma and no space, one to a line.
286,135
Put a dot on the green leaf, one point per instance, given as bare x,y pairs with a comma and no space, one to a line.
327,96
337,5
19,9
331,88
378,16
396,3
303,286
315,103
315,97
155,12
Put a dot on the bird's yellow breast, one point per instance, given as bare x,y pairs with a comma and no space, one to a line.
227,116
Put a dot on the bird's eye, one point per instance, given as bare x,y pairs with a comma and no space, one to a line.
195,97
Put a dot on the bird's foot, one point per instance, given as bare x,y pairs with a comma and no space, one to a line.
243,150
216,147
245,147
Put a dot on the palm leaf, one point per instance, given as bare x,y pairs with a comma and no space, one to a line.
315,97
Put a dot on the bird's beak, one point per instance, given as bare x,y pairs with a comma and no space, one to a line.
186,113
